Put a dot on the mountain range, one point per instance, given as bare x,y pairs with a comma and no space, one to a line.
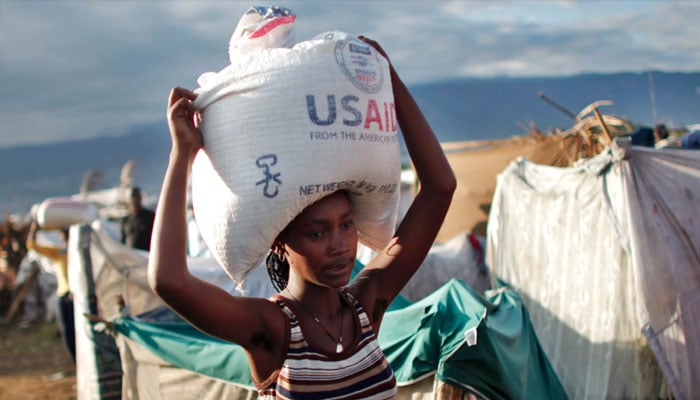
458,110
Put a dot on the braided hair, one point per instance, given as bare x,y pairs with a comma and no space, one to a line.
278,269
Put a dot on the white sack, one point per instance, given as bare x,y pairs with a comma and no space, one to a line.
59,212
285,127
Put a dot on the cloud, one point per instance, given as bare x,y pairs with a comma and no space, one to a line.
79,69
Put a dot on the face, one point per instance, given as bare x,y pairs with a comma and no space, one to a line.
321,242
135,201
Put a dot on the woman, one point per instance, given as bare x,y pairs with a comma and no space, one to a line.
58,254
316,322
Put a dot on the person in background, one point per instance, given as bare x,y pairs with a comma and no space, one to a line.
691,140
662,138
317,337
59,256
643,136
137,227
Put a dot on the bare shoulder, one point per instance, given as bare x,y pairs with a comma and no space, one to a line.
267,342
252,322
263,321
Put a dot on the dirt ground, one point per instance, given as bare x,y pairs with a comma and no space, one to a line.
34,365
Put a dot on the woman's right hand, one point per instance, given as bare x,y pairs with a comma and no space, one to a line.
182,116
376,46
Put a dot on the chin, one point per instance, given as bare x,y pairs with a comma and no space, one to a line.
339,277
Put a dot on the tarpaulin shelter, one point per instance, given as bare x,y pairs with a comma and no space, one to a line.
606,255
107,280
477,163
482,346
453,343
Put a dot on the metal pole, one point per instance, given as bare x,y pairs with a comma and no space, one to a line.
652,95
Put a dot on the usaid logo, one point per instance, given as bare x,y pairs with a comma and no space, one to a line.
360,64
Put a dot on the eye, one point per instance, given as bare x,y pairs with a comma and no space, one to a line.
348,225
317,234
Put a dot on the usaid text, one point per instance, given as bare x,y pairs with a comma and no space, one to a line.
376,116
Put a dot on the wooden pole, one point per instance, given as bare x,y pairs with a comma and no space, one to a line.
21,292
557,106
608,136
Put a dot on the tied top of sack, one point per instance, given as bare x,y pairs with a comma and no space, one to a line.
285,125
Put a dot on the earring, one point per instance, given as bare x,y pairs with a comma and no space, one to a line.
278,251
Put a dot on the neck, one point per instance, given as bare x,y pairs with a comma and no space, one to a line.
321,301
327,318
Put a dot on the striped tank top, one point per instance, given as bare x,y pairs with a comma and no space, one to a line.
359,372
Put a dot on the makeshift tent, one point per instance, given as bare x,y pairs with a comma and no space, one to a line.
606,255
108,279
477,163
425,341
483,346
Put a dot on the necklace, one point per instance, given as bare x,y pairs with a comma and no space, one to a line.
339,341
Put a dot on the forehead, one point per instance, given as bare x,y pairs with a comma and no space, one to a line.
336,205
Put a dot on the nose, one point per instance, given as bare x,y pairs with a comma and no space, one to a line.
340,242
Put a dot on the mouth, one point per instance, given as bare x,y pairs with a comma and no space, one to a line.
340,268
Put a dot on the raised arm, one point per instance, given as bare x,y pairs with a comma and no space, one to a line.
387,274
205,305
51,251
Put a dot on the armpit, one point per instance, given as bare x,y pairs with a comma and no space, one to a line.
261,340
380,306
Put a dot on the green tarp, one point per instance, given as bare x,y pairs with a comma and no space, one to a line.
430,336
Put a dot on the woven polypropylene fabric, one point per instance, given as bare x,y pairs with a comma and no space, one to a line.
285,127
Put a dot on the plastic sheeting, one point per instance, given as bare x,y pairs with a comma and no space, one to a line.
148,377
476,165
461,257
118,271
607,258
483,346
101,271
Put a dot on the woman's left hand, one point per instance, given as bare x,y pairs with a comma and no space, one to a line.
182,117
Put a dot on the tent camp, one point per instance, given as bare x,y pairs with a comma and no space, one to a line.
595,259
452,343
476,164
606,255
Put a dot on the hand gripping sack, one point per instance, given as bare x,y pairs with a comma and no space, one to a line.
285,127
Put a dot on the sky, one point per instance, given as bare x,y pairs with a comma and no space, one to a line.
73,70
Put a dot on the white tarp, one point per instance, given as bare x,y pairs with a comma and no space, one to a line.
607,258
100,264
147,377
